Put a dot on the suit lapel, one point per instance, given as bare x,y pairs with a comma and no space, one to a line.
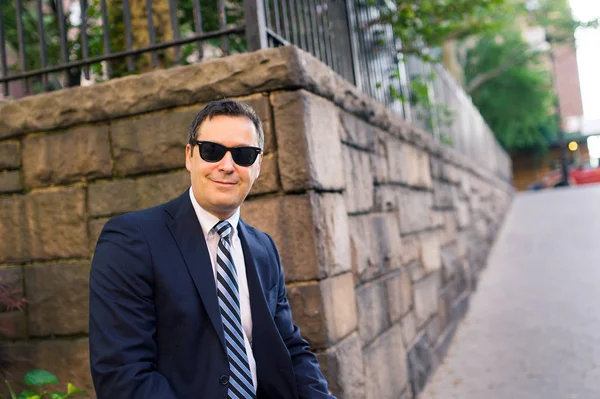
188,234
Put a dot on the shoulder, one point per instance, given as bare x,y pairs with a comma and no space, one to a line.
137,222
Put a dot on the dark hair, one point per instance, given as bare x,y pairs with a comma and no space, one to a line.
228,108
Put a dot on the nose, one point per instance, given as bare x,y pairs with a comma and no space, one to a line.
226,164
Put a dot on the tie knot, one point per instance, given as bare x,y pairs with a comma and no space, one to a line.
224,229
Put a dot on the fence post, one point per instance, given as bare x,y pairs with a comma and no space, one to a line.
256,24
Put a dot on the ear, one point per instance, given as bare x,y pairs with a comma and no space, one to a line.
188,157
258,163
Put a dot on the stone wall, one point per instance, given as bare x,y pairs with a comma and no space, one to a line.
382,231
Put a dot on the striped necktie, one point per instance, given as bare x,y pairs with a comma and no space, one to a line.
240,380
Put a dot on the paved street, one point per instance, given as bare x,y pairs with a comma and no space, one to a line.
533,329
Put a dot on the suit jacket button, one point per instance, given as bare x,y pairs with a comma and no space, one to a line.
224,379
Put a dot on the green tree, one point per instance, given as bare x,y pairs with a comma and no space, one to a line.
517,103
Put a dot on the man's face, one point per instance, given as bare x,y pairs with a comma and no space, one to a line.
221,187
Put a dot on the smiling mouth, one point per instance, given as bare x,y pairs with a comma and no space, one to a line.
224,183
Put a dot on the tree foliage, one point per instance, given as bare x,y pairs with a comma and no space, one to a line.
518,103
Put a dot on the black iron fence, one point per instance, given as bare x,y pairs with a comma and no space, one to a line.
50,44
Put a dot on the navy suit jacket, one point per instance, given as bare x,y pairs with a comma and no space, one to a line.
155,326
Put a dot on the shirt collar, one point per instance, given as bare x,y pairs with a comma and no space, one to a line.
208,220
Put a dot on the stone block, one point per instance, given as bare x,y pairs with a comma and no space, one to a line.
343,368
450,263
399,295
407,164
357,132
13,322
43,225
13,325
407,292
411,248
426,297
419,174
127,195
431,257
152,142
310,231
10,181
325,311
340,306
289,220
388,242
364,262
449,231
443,197
435,165
330,220
421,363
158,189
10,154
415,270
359,193
414,209
387,198
66,358
112,197
386,372
95,227
58,297
268,180
69,156
307,129
437,218
261,104
373,314
409,329
433,328
462,241
463,214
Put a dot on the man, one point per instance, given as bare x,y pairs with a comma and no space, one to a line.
188,301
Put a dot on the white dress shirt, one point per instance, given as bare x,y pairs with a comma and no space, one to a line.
207,222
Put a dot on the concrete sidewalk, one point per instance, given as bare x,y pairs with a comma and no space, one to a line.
533,329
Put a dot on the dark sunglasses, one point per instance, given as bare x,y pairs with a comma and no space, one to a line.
214,152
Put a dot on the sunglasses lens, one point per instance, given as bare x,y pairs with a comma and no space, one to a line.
244,156
212,152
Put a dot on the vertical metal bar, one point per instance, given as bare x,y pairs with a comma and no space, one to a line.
151,32
326,33
277,17
268,20
301,25
285,18
84,39
175,27
21,39
293,22
314,28
64,56
198,25
353,46
43,55
223,24
3,63
306,22
128,34
256,25
105,36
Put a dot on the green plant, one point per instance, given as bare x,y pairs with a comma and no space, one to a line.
37,381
